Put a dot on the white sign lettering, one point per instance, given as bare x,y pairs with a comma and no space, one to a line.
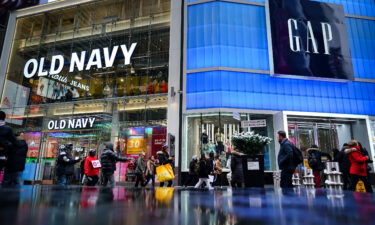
253,123
71,123
295,40
77,61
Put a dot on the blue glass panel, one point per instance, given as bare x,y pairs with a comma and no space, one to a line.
258,91
355,7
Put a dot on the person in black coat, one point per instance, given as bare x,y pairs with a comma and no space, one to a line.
236,166
203,173
164,158
65,165
7,140
285,160
15,164
344,165
193,171
108,160
315,162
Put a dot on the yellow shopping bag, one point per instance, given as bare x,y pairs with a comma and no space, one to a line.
164,173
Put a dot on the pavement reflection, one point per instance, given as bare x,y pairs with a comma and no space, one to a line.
121,205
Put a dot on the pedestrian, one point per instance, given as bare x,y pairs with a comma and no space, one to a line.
65,165
150,171
218,171
315,162
15,164
236,165
163,158
108,160
211,167
193,171
7,140
358,168
285,160
203,173
140,169
344,165
91,168
365,153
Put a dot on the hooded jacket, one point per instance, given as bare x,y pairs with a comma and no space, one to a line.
163,157
108,160
65,163
285,156
88,167
357,161
318,155
17,157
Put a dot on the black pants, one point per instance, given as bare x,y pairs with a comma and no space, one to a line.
354,180
92,180
148,178
286,178
192,179
139,180
236,184
169,183
345,180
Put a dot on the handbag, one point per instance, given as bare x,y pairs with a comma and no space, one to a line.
165,173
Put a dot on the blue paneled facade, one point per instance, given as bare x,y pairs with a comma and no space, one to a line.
227,34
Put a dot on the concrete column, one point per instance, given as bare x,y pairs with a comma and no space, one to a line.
280,122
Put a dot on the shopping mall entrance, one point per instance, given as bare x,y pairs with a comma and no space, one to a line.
327,133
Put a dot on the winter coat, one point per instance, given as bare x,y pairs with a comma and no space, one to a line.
236,166
316,153
193,167
108,160
141,165
203,171
343,160
163,158
285,157
65,163
358,162
7,138
150,167
17,157
89,169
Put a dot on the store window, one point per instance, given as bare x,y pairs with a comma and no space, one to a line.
86,75
212,132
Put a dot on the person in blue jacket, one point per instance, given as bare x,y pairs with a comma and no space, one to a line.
285,160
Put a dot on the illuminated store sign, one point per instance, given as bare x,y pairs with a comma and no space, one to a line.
77,123
309,39
78,60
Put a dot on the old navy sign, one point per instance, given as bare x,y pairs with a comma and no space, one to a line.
76,123
309,39
100,58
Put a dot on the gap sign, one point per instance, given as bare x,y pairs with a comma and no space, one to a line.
309,39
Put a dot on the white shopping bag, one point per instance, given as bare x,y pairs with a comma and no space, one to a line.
96,164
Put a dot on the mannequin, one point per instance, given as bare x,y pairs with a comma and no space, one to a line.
219,138
204,141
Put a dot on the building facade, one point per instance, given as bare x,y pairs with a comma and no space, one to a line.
188,73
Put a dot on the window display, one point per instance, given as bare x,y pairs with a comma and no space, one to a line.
212,133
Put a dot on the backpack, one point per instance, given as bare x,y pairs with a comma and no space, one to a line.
313,160
297,155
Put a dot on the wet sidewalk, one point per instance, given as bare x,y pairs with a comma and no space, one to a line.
123,205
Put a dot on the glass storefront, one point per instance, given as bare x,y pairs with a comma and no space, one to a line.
89,74
212,132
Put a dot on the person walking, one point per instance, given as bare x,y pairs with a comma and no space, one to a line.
236,165
65,165
140,170
150,171
164,158
315,162
285,160
203,173
15,164
358,168
91,168
108,160
7,140
218,171
193,171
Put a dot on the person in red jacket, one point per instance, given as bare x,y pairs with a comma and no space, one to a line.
92,166
358,167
